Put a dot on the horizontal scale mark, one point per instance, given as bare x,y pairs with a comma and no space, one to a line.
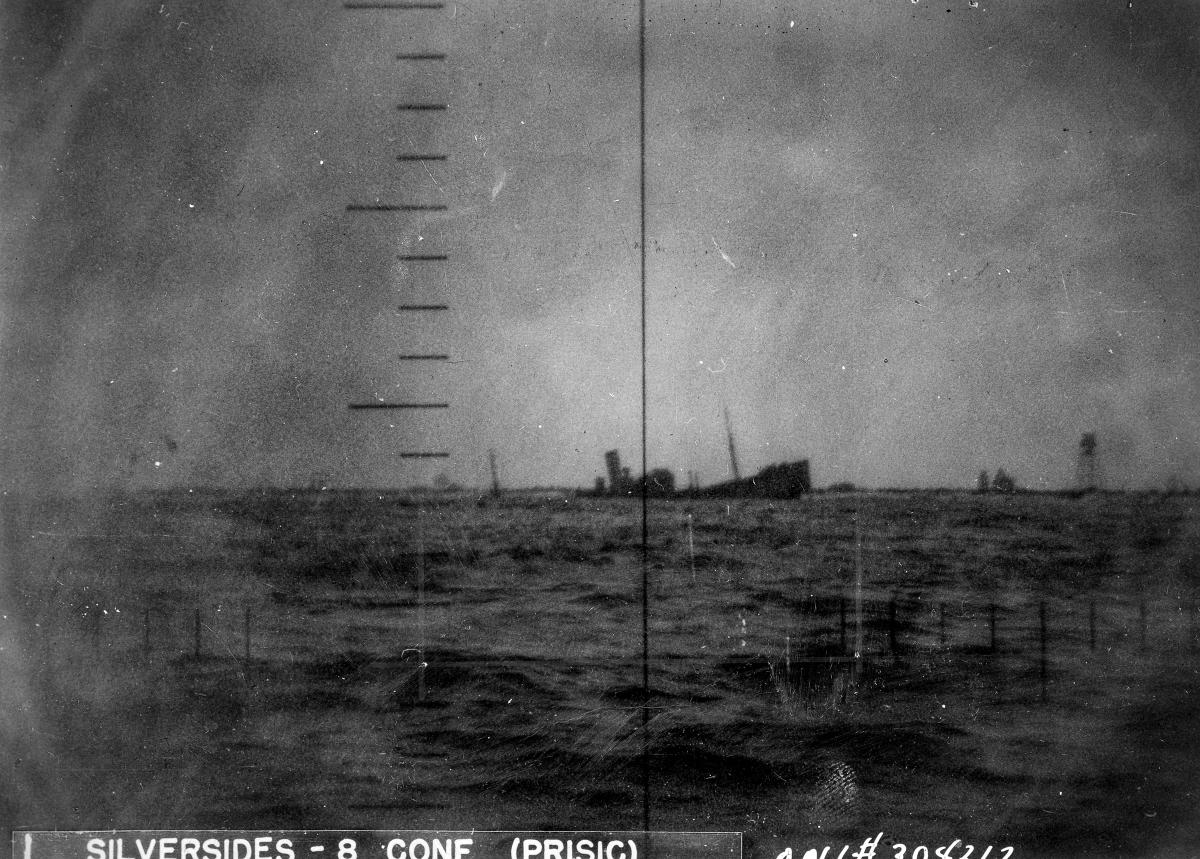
399,406
420,454
423,257
392,207
422,106
420,56
420,307
424,357
420,157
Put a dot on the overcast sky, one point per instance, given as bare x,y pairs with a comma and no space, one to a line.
908,241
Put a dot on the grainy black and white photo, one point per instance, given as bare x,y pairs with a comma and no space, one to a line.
776,417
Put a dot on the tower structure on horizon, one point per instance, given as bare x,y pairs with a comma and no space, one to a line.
1087,471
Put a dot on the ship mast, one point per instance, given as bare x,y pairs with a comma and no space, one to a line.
495,472
733,463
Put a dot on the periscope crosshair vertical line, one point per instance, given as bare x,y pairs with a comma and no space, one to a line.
645,510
